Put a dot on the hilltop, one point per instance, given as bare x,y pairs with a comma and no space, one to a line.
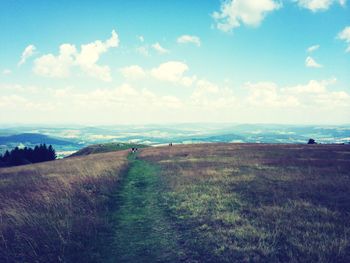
106,147
185,203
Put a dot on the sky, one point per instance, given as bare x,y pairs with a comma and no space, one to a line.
166,61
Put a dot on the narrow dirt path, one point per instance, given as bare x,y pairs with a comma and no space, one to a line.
142,233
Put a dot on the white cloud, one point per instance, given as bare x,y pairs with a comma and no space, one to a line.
27,53
17,88
161,50
141,38
90,53
99,72
171,102
311,63
317,94
314,94
7,72
124,97
313,48
345,35
233,13
318,5
208,96
267,94
133,72
313,87
188,81
86,59
314,101
143,51
62,93
172,71
12,101
205,87
184,39
56,66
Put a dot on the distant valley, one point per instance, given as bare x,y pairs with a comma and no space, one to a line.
69,140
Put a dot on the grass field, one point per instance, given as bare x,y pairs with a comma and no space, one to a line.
258,203
185,203
56,211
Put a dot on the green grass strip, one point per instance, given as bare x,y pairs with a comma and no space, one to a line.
142,232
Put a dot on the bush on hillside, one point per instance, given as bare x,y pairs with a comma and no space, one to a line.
311,141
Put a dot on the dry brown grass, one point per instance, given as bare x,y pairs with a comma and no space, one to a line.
223,202
258,202
54,211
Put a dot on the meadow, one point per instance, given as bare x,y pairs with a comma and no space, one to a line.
56,211
256,202
184,203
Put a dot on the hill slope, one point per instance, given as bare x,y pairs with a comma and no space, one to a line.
55,211
185,203
106,147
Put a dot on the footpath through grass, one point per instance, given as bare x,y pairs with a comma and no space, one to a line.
142,233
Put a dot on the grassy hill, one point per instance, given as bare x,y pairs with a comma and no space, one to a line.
107,147
186,203
54,211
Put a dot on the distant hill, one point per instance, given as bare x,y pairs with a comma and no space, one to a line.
32,138
106,147
220,138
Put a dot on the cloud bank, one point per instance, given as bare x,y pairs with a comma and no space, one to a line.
85,59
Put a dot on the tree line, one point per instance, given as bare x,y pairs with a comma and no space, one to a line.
17,156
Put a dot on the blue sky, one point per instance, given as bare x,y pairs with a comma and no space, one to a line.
240,61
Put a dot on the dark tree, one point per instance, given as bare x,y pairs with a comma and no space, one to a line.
40,153
51,153
6,156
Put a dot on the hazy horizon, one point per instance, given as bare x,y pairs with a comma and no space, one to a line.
69,125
